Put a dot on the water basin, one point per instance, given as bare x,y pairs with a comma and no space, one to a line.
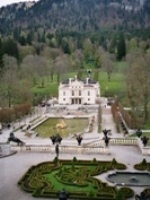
64,127
130,178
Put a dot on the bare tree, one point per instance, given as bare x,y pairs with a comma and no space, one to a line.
77,59
62,65
98,57
138,85
107,64
51,54
35,68
9,79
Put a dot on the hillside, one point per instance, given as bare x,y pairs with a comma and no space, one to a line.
75,15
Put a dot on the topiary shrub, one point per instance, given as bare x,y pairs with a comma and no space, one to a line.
55,160
74,159
144,162
94,160
113,162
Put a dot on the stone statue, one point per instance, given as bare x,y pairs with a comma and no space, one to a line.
63,195
106,138
79,139
139,132
142,196
56,139
145,140
106,132
12,138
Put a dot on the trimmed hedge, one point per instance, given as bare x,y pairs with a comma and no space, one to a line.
76,176
144,165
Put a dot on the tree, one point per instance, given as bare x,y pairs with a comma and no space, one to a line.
1,54
77,59
113,45
87,49
65,47
107,64
51,54
62,64
138,85
10,48
9,80
98,57
35,68
121,47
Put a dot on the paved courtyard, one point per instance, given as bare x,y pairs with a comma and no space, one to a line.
12,168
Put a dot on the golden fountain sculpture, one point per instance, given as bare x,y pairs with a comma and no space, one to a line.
61,125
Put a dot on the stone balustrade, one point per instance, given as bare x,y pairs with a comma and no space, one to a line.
124,141
95,147
63,149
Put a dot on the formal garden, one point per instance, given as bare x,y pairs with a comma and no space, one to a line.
78,178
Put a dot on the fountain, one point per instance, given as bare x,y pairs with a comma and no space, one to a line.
65,127
61,125
130,178
133,179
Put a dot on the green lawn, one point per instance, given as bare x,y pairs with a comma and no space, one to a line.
115,87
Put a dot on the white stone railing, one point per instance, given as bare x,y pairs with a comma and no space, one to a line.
124,141
95,147
63,149
131,141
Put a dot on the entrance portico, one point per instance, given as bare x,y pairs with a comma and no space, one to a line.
76,101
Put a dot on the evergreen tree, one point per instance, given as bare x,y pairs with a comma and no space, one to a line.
10,48
22,40
65,47
30,37
113,45
1,54
121,47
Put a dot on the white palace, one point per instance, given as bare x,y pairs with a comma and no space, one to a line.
74,91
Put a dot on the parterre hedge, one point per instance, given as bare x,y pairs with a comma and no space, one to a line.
144,165
76,176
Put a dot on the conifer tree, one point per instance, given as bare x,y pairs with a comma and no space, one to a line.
121,47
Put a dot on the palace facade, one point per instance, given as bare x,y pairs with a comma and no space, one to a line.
74,91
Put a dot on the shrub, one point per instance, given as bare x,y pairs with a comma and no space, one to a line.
114,162
144,162
74,159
